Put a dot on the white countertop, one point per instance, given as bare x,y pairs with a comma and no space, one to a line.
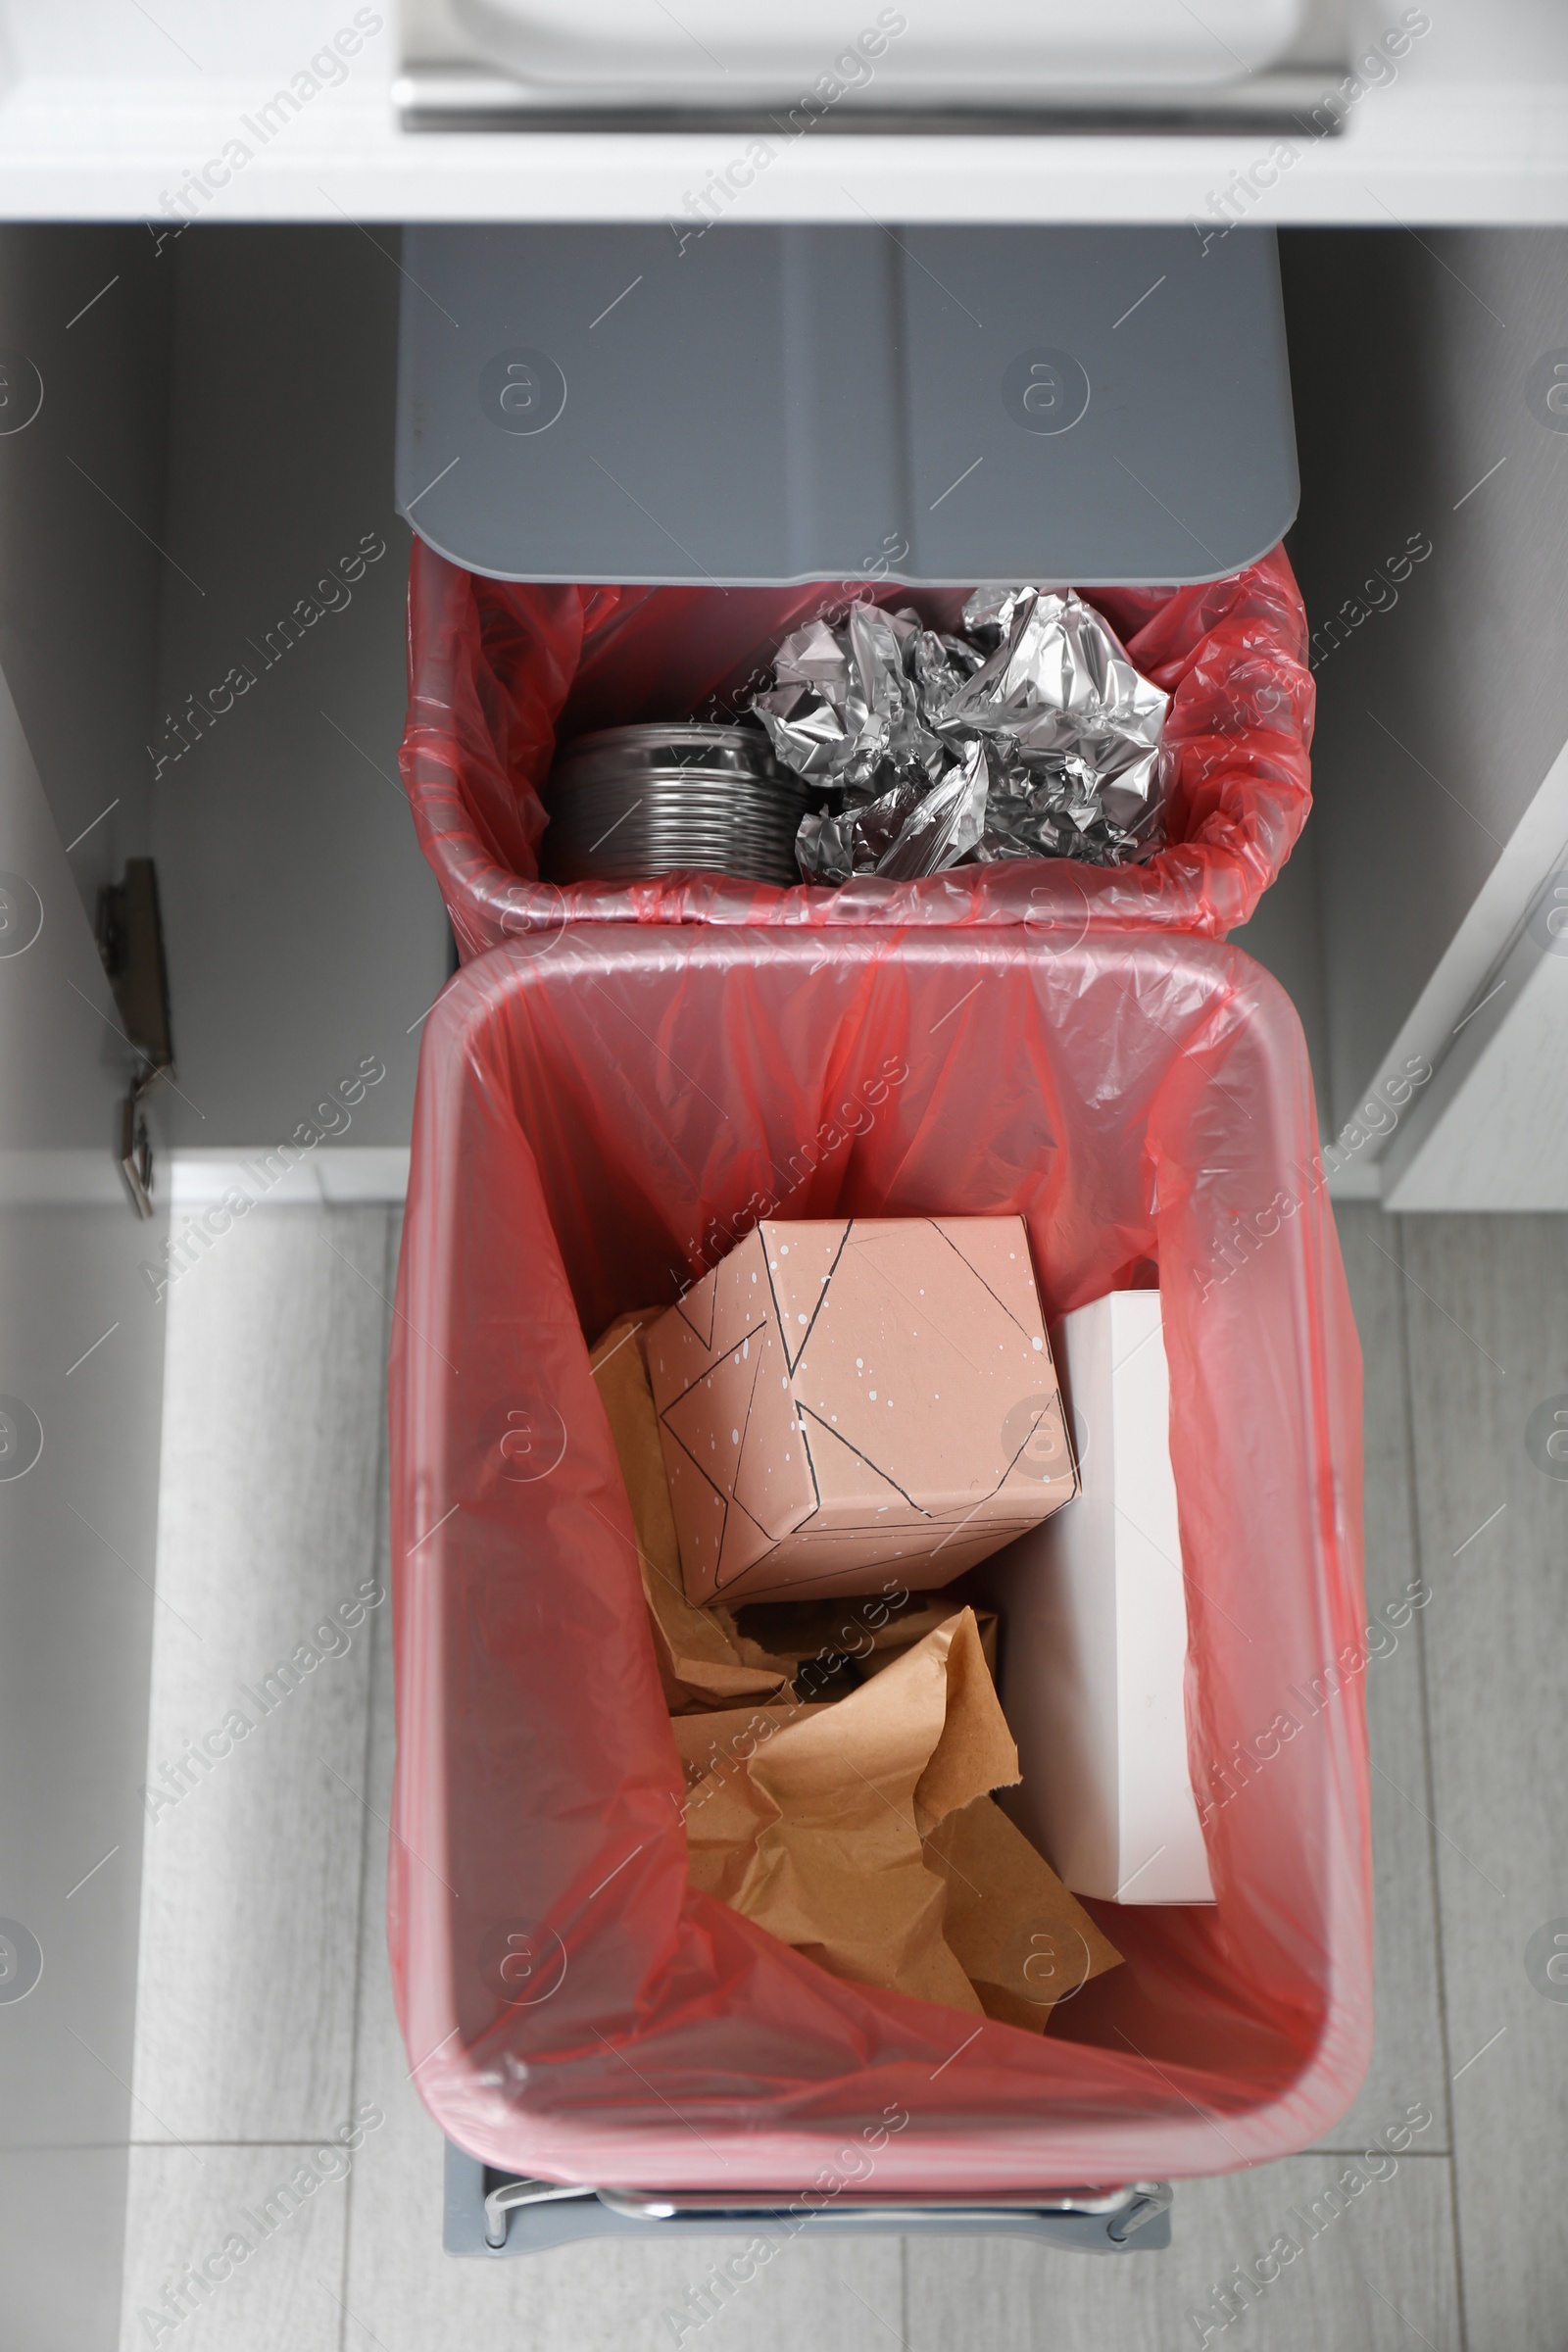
107,109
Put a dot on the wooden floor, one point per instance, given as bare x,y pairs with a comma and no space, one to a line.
265,2015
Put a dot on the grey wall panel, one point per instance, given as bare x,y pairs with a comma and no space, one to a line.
305,930
1443,696
84,325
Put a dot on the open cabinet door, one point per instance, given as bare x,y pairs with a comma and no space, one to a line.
81,1347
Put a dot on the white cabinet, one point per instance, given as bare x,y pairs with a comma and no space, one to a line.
1426,372
201,627
202,619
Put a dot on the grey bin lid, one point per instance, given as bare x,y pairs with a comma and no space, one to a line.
757,405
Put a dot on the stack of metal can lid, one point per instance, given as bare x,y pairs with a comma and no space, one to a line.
630,802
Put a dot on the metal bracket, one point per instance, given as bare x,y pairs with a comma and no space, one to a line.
130,943
492,2214
510,2193
640,2206
1148,2198
135,1155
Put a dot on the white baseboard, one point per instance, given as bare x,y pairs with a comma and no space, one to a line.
349,1174
1357,1180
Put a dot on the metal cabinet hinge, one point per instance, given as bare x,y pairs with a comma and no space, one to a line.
131,944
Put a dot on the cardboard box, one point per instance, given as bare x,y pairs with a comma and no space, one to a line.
846,1400
1094,1613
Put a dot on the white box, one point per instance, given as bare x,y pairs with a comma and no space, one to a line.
1094,1615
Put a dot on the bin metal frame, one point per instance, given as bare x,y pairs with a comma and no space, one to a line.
494,2213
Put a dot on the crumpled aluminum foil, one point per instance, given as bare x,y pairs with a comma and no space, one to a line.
1032,738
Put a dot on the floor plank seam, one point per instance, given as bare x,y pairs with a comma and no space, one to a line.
380,1549
300,2140
1419,1550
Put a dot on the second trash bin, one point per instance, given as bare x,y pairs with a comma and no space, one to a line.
595,1107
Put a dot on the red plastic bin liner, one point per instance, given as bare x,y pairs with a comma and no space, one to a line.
500,671
593,1105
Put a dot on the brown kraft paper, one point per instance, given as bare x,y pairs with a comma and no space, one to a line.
863,1834
699,1663
853,1635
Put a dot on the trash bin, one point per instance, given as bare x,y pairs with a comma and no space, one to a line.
498,670
600,1106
